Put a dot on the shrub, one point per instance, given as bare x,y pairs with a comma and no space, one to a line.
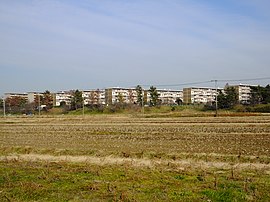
264,108
240,108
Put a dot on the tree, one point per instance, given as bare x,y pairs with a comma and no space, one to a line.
120,98
139,91
63,104
232,96
92,98
153,96
30,108
267,94
178,101
222,100
1,103
228,99
47,99
260,95
97,95
16,104
256,95
76,100
130,96
38,100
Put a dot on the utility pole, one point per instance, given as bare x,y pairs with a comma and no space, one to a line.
216,97
216,102
83,106
142,101
4,107
38,104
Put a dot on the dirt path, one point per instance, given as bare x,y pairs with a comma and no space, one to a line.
136,162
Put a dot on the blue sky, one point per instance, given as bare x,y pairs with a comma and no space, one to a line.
65,44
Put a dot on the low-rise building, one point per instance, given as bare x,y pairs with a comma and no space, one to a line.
120,95
129,96
170,97
31,96
94,97
12,95
199,95
62,97
243,91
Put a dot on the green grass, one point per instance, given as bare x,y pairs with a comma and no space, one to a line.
61,181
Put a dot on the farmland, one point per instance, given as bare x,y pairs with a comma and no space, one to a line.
127,158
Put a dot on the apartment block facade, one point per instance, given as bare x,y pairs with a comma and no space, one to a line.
32,95
93,97
169,97
62,97
29,97
116,94
243,91
129,96
108,96
12,95
90,97
199,95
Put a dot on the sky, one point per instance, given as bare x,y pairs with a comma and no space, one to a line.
88,44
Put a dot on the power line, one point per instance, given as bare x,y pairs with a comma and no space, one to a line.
251,79
209,81
179,84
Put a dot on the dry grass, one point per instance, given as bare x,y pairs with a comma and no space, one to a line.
127,136
135,158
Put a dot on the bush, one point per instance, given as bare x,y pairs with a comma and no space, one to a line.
209,107
263,108
240,108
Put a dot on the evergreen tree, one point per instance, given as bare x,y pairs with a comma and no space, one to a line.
77,100
228,99
260,95
153,96
232,96
1,103
47,99
139,91
267,94
178,101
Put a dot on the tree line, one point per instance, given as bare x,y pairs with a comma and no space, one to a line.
18,104
230,97
226,99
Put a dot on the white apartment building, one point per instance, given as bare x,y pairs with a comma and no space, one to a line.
244,92
199,95
191,95
116,94
62,96
89,97
12,95
169,97
129,95
32,95
93,97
